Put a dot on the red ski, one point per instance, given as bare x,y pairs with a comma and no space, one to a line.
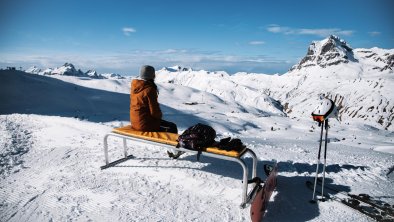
260,202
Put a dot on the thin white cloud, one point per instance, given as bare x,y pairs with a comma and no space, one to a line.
256,42
318,32
324,32
128,30
279,29
374,33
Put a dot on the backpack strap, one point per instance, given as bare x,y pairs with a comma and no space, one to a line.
198,155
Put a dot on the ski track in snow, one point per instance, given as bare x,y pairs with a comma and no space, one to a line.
69,185
62,180
16,141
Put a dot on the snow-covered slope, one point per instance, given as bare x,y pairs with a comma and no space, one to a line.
24,93
222,85
50,164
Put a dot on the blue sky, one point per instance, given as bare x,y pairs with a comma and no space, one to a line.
263,36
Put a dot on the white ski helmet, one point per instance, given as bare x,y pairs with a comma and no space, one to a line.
326,109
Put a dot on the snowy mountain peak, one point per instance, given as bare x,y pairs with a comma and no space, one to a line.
328,52
67,69
112,76
93,74
332,44
33,70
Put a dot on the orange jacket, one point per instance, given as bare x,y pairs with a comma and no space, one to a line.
145,113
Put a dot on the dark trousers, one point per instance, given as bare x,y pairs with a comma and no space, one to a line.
166,126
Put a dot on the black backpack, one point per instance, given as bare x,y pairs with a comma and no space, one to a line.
230,144
197,137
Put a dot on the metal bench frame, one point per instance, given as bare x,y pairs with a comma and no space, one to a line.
245,199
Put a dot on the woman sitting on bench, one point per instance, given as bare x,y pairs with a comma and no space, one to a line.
145,113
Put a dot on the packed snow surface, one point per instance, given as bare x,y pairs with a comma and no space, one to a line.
51,148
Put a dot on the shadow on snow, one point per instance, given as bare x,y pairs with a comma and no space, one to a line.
292,196
26,93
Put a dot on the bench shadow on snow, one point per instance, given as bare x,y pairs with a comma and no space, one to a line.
292,198
291,201
291,167
216,166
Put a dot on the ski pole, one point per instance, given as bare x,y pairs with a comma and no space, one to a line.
318,162
325,156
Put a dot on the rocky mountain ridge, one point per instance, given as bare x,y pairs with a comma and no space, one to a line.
333,51
360,81
69,69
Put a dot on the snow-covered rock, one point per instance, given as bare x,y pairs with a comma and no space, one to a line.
176,68
328,52
33,70
67,69
93,74
112,76
47,71
378,59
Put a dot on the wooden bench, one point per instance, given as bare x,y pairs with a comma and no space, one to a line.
169,141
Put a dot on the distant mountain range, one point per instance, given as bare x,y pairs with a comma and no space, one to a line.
360,81
69,69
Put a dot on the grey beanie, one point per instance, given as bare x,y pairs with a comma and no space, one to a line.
147,72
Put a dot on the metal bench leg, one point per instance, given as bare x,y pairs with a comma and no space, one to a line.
244,180
106,148
125,147
254,169
109,164
246,177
